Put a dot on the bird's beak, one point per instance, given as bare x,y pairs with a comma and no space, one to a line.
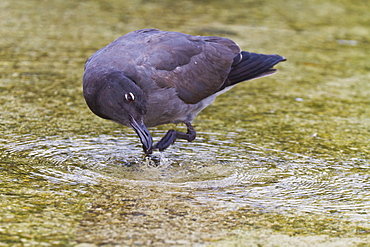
144,135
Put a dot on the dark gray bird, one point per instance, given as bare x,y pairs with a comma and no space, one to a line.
150,77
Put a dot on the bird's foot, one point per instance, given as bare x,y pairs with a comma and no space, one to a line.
172,135
166,141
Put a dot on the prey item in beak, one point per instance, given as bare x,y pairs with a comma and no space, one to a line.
144,135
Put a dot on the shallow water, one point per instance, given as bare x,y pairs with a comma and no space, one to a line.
278,161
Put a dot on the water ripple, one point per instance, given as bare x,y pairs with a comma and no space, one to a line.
233,177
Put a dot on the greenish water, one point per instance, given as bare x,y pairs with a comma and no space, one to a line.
279,161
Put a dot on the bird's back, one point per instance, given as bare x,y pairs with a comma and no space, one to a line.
196,66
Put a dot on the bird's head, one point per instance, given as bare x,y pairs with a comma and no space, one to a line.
116,97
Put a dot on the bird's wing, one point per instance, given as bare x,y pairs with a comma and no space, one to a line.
196,66
252,66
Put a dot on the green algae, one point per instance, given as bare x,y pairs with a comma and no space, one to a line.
34,211
172,220
315,113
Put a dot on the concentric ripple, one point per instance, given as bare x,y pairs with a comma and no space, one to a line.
268,180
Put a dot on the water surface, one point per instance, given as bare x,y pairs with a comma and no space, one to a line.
278,161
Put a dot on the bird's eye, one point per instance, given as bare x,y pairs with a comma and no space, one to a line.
129,97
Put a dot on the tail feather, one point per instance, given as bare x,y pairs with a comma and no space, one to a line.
252,66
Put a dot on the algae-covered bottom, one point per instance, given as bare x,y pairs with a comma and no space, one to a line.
100,190
278,161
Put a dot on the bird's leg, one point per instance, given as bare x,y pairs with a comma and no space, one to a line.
172,135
